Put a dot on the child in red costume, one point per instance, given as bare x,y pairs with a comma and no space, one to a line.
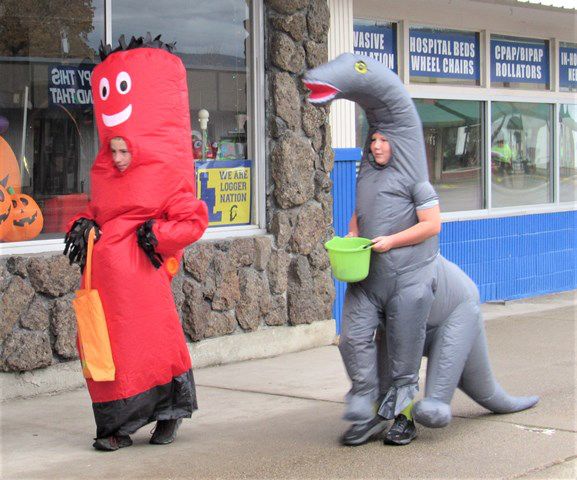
146,212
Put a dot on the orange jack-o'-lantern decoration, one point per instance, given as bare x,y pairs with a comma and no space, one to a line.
5,211
9,168
26,218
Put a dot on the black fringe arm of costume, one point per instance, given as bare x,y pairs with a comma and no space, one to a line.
148,241
76,241
135,42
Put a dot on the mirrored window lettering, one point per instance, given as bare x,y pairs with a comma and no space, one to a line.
568,152
47,136
521,154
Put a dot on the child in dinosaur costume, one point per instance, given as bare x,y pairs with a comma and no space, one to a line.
426,304
146,211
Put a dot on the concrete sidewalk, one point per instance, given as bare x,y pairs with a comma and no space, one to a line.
280,418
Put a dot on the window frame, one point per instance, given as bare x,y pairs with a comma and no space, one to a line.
487,94
257,132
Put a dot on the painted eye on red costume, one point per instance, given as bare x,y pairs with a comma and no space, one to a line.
104,88
123,83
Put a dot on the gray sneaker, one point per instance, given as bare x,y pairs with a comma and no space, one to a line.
361,433
402,432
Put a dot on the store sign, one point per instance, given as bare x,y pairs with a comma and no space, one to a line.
69,86
378,42
568,67
444,54
224,185
519,62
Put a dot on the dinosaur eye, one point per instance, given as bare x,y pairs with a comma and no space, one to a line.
361,67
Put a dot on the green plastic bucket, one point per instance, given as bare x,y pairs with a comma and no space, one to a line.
349,260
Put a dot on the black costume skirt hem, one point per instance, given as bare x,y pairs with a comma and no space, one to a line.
173,400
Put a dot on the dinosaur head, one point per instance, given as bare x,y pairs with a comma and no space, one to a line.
348,76
387,104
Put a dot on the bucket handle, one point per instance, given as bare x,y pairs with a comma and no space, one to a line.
368,245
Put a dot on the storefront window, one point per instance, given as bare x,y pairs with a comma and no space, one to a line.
519,63
453,131
454,145
439,55
521,153
377,40
568,153
213,40
567,67
47,135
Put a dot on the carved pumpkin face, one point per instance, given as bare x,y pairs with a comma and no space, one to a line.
9,168
27,219
5,211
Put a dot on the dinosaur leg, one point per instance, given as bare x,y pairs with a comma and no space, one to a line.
479,383
359,353
384,367
406,324
448,348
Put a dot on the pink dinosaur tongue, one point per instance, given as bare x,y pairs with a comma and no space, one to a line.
321,91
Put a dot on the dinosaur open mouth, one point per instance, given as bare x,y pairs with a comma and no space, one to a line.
321,92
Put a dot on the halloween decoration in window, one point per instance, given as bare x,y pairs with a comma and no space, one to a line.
20,216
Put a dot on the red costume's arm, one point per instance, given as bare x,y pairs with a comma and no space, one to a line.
88,213
186,219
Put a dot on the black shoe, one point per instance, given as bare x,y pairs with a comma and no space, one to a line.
112,443
165,431
360,433
402,432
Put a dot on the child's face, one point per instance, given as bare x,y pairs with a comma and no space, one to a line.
380,148
121,156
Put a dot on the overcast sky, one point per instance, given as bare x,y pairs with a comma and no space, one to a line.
197,26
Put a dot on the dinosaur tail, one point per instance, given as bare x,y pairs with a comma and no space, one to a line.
479,383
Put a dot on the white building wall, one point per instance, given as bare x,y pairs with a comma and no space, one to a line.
342,115
500,17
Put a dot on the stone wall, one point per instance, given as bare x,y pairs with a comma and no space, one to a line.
299,201
227,286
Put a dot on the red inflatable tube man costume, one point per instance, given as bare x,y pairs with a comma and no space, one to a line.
141,95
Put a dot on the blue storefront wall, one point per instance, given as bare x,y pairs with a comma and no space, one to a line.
508,258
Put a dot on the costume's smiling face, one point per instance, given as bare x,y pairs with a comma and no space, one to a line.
129,96
113,91
121,86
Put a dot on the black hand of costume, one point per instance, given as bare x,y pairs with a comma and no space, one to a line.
76,241
147,241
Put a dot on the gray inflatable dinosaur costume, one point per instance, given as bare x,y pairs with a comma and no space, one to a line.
428,305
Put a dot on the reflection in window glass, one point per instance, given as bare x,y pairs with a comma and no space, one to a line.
568,152
521,153
454,139
47,136
213,40
454,145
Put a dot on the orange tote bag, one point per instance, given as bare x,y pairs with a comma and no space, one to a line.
95,351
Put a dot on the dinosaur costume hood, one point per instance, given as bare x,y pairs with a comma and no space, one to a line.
387,105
